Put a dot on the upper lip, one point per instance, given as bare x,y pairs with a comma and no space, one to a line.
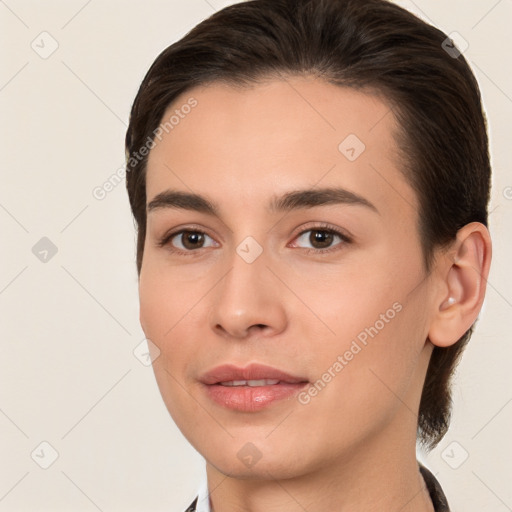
230,372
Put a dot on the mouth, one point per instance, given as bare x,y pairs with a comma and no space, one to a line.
251,383
252,388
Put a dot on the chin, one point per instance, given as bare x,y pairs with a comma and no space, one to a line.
247,461
261,470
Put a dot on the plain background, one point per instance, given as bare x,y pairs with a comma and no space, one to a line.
69,325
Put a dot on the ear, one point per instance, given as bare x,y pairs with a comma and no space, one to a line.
463,275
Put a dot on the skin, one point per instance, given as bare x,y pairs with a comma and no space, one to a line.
352,447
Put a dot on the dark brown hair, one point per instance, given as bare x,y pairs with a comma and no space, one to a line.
364,44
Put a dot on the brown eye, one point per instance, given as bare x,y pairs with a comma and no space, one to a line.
320,239
192,239
187,240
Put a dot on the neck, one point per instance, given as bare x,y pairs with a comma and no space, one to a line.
383,474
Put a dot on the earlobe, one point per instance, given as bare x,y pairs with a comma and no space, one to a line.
464,274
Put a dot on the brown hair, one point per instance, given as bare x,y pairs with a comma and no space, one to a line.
371,44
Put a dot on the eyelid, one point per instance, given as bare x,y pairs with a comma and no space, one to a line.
166,238
322,226
312,226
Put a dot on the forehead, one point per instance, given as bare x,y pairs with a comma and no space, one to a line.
276,136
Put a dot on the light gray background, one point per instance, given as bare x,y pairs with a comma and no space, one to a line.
69,326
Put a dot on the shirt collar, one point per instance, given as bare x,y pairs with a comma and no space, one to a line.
203,500
435,490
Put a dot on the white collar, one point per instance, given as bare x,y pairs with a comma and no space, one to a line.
203,500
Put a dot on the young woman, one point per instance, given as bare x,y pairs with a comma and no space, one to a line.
310,181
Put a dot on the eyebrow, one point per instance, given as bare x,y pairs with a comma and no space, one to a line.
294,200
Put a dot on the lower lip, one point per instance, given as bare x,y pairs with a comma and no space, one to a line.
251,399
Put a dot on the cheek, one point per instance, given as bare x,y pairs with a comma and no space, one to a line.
167,297
376,360
160,313
377,330
172,314
347,303
163,317
368,293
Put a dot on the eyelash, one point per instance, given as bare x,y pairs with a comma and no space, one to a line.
325,228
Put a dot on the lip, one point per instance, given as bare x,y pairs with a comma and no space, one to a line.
227,372
250,398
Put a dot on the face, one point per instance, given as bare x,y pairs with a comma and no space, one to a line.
301,254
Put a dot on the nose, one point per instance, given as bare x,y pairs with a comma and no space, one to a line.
248,301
